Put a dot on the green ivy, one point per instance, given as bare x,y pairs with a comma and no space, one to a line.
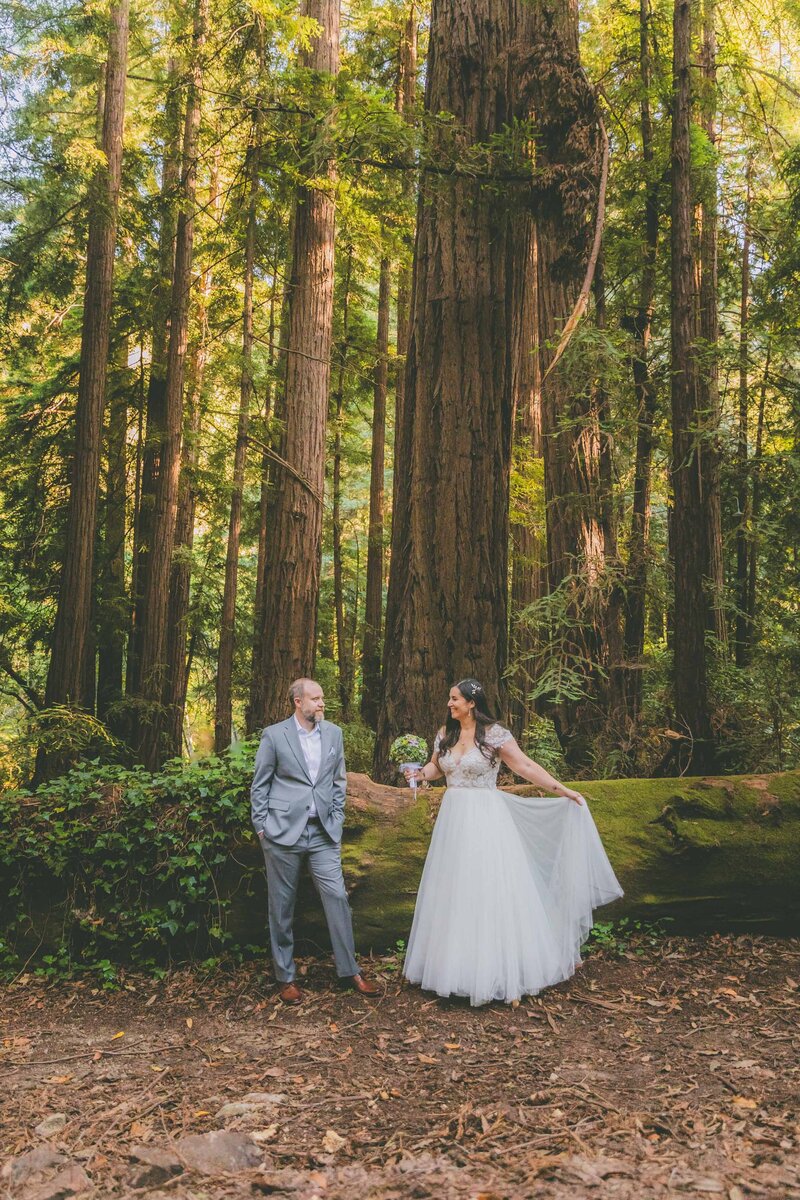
127,861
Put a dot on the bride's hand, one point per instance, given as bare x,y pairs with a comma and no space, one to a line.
414,773
576,797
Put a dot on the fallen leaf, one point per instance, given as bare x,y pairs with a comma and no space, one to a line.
452,1046
426,1058
59,1079
264,1135
318,1179
189,1022
744,1102
118,1035
202,1112
333,1141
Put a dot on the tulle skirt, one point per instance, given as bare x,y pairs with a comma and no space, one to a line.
506,895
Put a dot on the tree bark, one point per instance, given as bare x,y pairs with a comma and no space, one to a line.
710,447
255,703
114,608
294,549
373,609
155,419
343,649
405,103
743,531
223,715
752,573
71,634
156,585
645,393
447,604
689,538
178,662
569,155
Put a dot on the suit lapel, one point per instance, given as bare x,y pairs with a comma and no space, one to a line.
293,738
324,745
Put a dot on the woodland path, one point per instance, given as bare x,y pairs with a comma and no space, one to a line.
671,1070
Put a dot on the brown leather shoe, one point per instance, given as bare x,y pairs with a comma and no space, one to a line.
365,986
290,993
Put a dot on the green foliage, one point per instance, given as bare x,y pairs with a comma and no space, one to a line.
136,859
359,746
625,937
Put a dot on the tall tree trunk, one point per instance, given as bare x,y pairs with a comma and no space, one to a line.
689,540
743,531
645,393
156,585
176,679
752,573
343,650
223,714
373,609
155,419
447,604
294,549
255,704
710,449
569,155
405,96
71,635
114,614
528,540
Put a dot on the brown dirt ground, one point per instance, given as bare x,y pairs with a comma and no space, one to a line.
671,1071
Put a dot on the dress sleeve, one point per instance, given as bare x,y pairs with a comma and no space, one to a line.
437,741
497,736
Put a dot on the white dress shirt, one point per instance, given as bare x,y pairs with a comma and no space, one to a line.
311,745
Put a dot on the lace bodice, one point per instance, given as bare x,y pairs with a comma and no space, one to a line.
473,769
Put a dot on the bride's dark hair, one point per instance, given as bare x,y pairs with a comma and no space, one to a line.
471,689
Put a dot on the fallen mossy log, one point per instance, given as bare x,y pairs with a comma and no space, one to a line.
710,854
110,865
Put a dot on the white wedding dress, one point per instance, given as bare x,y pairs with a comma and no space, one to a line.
507,891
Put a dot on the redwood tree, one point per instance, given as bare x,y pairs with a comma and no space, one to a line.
644,389
568,158
447,604
292,570
66,680
156,583
223,713
689,540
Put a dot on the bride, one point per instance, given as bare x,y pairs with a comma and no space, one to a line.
509,883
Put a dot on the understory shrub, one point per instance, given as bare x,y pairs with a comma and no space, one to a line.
127,861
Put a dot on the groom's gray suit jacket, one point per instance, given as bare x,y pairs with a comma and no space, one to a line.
282,787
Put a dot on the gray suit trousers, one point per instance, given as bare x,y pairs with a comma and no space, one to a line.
284,864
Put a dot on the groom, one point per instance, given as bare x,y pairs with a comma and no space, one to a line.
297,804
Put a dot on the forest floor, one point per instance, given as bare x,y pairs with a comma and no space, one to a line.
669,1070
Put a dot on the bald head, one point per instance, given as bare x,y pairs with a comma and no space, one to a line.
307,700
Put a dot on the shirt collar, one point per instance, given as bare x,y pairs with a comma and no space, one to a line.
306,732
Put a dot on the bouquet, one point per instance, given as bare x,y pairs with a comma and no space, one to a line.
409,751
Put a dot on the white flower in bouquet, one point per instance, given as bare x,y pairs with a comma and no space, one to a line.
409,752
